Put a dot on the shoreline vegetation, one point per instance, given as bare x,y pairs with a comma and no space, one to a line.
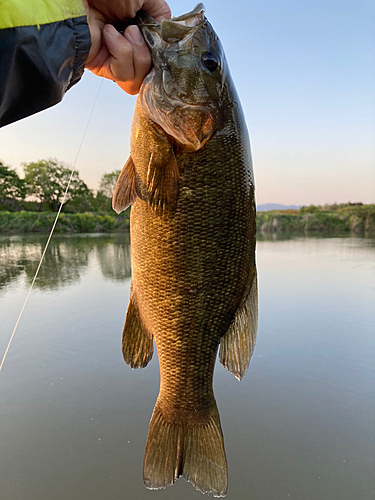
41,222
29,205
345,219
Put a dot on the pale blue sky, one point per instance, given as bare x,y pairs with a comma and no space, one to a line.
305,74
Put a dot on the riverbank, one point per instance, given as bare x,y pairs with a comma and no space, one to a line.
358,220
41,222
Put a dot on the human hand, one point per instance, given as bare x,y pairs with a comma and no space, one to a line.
122,58
118,10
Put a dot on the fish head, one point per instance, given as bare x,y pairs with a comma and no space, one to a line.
183,91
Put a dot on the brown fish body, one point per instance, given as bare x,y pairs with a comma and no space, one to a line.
192,266
193,285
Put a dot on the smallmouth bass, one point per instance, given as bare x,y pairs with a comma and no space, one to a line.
190,182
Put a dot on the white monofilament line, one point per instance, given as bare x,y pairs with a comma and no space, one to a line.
54,224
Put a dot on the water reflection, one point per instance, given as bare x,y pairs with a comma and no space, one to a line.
114,259
293,236
66,259
74,417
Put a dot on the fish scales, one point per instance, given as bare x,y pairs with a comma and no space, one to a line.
192,232
189,291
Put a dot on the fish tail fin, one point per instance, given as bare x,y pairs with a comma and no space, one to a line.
191,449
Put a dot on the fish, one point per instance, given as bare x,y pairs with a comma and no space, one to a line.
190,184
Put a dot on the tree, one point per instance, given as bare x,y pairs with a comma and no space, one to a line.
48,179
102,203
81,203
108,183
103,198
12,188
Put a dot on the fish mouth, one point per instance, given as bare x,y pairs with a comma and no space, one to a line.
161,36
149,28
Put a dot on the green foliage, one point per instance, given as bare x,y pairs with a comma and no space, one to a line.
311,209
48,179
108,183
102,203
41,222
45,183
103,198
345,218
84,211
12,188
81,203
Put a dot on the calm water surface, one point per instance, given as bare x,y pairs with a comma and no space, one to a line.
74,417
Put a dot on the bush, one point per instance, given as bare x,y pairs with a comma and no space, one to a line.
345,218
42,222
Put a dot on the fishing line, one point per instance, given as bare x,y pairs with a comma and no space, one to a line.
55,222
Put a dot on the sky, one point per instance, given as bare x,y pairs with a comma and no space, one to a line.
305,75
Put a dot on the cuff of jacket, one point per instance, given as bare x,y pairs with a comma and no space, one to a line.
82,48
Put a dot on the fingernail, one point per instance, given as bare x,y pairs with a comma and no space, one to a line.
134,34
111,30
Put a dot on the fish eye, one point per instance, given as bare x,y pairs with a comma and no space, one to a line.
211,61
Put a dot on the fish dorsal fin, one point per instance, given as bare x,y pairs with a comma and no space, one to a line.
125,193
163,178
237,345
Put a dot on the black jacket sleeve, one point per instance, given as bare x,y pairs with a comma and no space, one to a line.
38,64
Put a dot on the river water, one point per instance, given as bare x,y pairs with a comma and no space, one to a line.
74,417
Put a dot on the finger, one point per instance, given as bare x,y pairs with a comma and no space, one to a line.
121,54
141,59
114,11
158,9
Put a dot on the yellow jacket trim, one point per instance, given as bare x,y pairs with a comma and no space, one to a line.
15,13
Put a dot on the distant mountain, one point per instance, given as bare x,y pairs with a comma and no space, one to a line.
274,206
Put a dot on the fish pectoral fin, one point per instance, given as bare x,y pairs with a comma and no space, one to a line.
137,342
237,345
125,193
163,177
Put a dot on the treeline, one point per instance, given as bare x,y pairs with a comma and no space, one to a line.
344,218
28,204
43,186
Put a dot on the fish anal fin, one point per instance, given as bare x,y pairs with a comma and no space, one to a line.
163,178
237,345
125,193
193,450
137,342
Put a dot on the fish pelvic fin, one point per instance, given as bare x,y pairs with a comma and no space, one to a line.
191,449
237,345
137,342
125,193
